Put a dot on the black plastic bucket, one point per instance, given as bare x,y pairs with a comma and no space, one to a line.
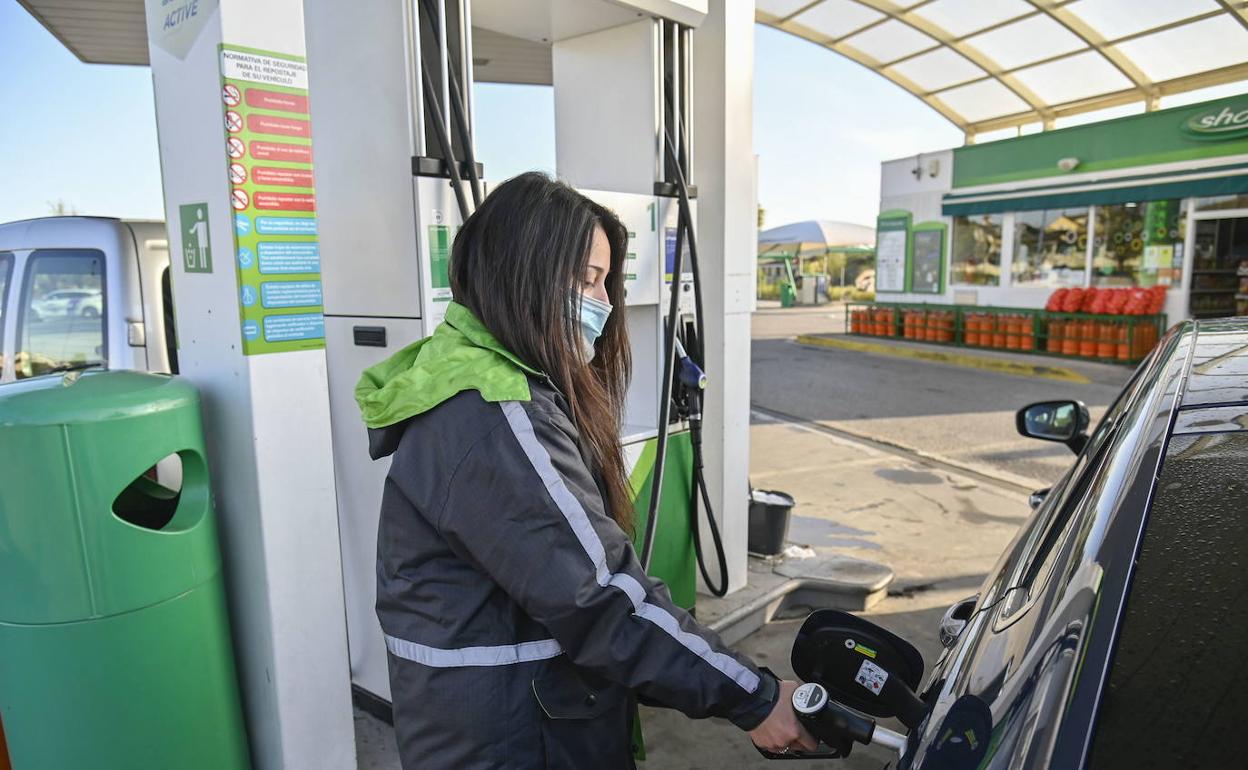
769,521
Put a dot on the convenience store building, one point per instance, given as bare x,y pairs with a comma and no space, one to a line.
1159,198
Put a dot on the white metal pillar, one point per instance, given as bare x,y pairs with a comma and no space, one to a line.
724,170
266,415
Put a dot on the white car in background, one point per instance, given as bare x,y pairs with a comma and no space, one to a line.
88,303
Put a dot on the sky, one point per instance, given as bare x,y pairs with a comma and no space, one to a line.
86,134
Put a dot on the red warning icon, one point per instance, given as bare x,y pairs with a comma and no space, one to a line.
233,121
239,199
230,95
234,147
238,174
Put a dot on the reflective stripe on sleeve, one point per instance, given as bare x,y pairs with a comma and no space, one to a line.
497,655
578,520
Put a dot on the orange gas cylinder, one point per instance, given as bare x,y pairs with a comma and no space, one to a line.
890,323
1026,332
1070,338
998,331
1123,348
1107,334
970,329
1053,343
907,324
1011,332
1087,339
946,326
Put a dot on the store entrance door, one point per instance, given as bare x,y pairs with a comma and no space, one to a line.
1219,268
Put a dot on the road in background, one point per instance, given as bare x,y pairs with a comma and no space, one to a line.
953,413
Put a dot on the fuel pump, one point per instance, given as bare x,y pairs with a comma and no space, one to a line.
393,188
682,330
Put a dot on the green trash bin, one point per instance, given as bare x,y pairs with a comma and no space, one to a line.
788,295
114,640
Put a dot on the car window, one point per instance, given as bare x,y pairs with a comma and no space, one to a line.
1179,659
62,322
1052,520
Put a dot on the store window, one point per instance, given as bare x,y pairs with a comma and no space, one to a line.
1223,202
1050,248
976,251
1138,244
61,326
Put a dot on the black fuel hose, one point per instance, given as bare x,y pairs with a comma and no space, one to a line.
431,100
698,478
665,399
459,115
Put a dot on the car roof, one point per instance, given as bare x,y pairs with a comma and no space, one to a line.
1218,372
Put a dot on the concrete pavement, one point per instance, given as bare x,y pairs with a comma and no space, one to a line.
938,410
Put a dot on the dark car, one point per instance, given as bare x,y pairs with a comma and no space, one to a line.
1113,631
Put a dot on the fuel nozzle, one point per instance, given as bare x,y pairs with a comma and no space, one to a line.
828,720
691,375
837,727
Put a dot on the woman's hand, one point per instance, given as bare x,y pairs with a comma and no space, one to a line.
780,732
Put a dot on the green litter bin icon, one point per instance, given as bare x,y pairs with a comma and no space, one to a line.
114,637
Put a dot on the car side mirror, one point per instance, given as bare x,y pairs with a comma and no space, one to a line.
1063,421
861,665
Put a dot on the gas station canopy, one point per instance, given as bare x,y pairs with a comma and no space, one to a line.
993,64
983,64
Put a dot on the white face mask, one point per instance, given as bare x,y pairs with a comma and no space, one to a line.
593,315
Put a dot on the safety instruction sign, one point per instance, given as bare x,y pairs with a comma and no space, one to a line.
892,250
268,148
196,248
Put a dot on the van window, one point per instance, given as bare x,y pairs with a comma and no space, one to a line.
62,322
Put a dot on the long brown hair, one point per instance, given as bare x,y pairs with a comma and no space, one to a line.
515,264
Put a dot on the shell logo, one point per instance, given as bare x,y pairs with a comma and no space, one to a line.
1218,124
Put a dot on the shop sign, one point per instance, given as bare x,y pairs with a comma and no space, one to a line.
1224,123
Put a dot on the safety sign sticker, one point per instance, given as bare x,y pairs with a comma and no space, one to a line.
290,293
278,257
268,143
196,248
871,676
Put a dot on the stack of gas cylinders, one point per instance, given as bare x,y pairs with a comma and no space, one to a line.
1117,338
874,322
929,325
1004,331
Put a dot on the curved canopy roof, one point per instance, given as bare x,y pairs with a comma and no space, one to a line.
993,64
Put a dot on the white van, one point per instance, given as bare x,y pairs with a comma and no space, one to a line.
78,291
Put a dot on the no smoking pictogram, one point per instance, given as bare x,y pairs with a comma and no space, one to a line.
239,200
234,147
238,174
230,95
233,121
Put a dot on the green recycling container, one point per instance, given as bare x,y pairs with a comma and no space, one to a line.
788,295
114,639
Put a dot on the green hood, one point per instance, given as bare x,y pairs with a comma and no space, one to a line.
461,355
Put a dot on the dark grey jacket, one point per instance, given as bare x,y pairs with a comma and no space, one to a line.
520,624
